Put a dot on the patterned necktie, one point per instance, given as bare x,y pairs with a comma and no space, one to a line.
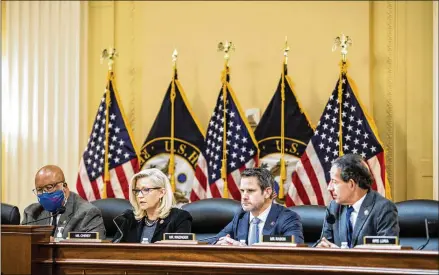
349,225
254,237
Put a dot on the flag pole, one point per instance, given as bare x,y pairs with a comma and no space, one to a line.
343,42
283,172
171,169
109,54
224,78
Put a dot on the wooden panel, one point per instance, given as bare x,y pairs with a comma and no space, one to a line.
19,248
71,258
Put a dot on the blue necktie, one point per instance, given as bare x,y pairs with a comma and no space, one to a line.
349,225
254,238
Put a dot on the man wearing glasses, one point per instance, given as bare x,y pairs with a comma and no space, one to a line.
70,212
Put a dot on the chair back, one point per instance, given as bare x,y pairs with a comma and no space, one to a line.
411,216
110,208
210,216
10,214
312,217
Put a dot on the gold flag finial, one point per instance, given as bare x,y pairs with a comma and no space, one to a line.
344,42
109,54
226,48
174,58
286,50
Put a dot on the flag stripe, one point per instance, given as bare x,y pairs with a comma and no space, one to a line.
382,162
313,180
355,136
109,126
113,185
232,179
300,188
375,169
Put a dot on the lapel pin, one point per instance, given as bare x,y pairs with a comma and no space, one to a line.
161,222
366,212
272,223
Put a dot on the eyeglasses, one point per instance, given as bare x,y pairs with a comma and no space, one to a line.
46,189
145,191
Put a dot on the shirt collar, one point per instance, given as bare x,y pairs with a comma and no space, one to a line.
357,205
263,216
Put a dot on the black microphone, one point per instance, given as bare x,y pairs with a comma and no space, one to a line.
124,214
60,210
427,232
329,218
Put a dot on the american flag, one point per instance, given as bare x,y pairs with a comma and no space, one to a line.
359,136
122,157
242,151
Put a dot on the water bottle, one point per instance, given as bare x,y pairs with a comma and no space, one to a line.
58,236
344,245
145,240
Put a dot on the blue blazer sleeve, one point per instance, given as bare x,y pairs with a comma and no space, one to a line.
327,230
293,226
230,229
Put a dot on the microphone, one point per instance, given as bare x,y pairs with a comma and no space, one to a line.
427,232
60,210
329,218
126,212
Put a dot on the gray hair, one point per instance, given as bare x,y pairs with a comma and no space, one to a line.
354,167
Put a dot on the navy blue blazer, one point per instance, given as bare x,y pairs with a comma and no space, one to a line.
280,221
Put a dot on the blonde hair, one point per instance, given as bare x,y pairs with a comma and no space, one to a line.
157,179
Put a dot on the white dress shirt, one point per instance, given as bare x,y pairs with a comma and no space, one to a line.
356,207
57,219
263,217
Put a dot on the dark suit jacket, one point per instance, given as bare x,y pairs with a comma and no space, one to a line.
280,221
377,217
80,216
178,221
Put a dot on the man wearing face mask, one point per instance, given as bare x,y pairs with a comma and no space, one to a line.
53,194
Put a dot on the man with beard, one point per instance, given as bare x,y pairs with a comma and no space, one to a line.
259,215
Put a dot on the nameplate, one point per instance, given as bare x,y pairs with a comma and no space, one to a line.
380,240
179,236
277,239
84,235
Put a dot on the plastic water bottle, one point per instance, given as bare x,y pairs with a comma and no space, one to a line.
145,240
344,245
58,236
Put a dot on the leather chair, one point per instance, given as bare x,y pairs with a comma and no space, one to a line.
312,217
411,216
10,214
210,216
110,208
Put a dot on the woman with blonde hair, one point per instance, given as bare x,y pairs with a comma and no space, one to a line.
153,211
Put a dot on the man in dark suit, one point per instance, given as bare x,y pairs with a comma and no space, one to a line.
259,215
358,210
53,193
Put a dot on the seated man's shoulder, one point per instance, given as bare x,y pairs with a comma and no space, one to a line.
381,201
284,211
33,208
83,205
